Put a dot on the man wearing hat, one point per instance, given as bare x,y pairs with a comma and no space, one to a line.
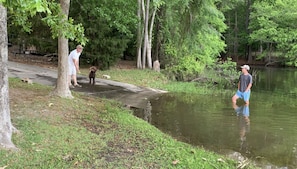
73,66
244,85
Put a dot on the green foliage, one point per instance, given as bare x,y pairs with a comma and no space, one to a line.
193,37
70,31
22,12
38,39
236,36
110,26
223,74
182,67
275,23
226,5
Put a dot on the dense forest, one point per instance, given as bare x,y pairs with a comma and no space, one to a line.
184,35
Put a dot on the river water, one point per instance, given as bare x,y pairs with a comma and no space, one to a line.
265,131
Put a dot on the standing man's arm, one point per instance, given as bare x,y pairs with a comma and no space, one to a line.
248,87
250,84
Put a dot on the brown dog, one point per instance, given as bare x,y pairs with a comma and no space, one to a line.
92,74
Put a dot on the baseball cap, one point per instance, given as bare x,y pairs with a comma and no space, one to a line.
247,67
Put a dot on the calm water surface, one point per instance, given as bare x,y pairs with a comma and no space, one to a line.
269,134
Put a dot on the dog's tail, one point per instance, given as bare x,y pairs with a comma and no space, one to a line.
94,68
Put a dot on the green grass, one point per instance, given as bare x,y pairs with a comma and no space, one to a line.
44,145
138,77
87,132
152,79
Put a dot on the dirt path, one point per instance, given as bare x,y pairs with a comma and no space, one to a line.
128,94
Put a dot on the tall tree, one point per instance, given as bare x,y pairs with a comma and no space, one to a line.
236,36
273,23
62,87
247,28
139,34
145,30
21,11
145,13
6,127
64,28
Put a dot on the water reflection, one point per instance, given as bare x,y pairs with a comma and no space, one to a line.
243,113
144,113
210,122
147,112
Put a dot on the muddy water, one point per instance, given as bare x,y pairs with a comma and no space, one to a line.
268,135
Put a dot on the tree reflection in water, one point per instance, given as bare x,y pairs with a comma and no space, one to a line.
147,111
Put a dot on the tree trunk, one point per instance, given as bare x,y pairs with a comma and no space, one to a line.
150,36
62,88
236,37
228,42
247,22
139,35
145,43
270,52
145,34
6,127
158,39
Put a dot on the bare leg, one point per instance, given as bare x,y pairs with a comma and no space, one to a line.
74,79
234,98
234,106
69,80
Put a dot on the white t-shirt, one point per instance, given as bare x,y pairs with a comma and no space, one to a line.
73,55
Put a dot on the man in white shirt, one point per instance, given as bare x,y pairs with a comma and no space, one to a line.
73,66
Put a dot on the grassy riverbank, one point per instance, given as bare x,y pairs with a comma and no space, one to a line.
88,132
152,79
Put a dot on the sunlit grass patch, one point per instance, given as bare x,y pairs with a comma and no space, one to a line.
152,79
139,77
44,145
17,83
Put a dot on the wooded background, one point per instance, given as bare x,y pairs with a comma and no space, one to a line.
184,35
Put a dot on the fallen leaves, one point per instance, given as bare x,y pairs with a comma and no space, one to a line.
175,162
221,160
